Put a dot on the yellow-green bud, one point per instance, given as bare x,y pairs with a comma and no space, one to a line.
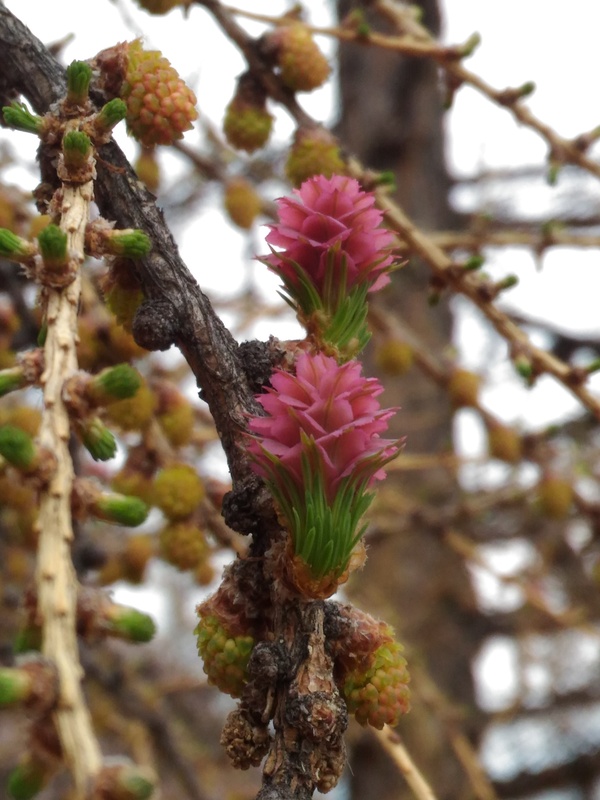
17,447
130,624
114,383
120,509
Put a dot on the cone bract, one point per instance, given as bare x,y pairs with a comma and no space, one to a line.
225,656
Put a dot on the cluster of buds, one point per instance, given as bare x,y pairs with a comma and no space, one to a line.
333,253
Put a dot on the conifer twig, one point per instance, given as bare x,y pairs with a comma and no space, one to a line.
56,580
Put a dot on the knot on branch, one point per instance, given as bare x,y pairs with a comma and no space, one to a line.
155,325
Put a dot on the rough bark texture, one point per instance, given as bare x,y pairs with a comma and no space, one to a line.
426,593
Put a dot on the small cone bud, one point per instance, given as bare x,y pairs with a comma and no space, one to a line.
504,443
314,151
174,413
555,495
463,388
120,509
160,107
133,413
225,656
79,75
394,357
242,203
247,123
302,65
184,545
148,169
130,624
178,491
98,440
18,117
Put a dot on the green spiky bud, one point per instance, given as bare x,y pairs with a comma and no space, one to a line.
120,509
18,117
98,440
26,780
53,247
77,149
127,243
130,624
110,115
114,383
14,247
79,75
15,686
524,367
11,379
17,447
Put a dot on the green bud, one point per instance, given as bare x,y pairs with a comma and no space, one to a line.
129,243
469,47
120,509
593,367
18,117
11,379
15,686
110,115
17,447
53,247
524,367
14,247
115,383
98,440
26,780
474,262
79,75
527,88
388,179
131,624
507,283
77,148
